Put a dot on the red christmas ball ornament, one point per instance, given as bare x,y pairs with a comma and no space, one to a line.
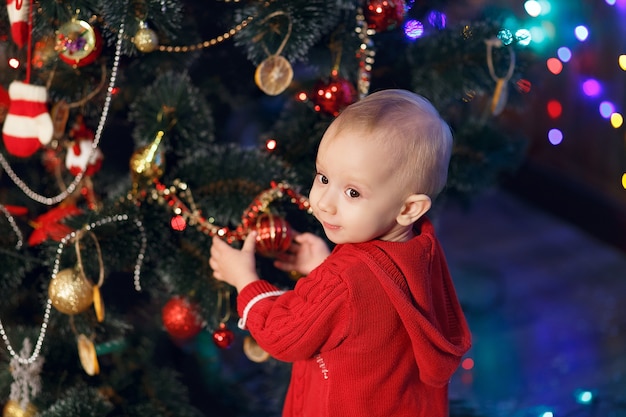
333,96
78,43
223,337
178,223
274,235
181,318
382,15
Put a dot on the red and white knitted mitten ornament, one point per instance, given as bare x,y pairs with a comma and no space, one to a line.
18,17
28,125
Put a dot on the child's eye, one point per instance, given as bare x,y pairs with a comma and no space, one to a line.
352,193
323,179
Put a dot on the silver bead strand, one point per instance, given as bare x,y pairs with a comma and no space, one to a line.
18,232
140,256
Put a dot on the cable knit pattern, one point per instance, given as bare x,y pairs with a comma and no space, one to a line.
376,331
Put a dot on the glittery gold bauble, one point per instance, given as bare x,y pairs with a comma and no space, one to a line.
147,163
12,409
70,292
273,75
145,39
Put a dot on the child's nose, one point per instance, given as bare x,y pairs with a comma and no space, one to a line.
326,203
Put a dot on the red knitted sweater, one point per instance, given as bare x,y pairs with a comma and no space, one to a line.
376,330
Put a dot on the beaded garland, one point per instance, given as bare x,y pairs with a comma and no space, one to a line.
180,200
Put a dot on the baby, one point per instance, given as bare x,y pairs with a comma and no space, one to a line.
375,327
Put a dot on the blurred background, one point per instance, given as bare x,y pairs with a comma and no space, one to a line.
133,131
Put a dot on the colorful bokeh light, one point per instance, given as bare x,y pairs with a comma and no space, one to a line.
554,108
606,109
523,85
622,62
467,364
533,8
617,120
437,19
546,7
554,66
506,36
523,37
584,397
271,144
555,136
564,54
592,87
581,32
413,29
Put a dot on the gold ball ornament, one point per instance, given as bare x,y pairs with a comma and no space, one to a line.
145,39
273,75
70,292
13,409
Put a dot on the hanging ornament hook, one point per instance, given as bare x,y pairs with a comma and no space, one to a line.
500,94
98,304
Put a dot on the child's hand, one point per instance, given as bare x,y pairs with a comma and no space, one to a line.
233,266
304,255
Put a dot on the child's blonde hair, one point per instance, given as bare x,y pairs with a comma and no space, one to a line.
408,129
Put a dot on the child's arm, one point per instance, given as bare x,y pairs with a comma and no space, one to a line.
235,267
304,255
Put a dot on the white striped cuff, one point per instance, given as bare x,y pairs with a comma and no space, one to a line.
242,321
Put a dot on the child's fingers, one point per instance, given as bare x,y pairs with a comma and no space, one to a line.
250,242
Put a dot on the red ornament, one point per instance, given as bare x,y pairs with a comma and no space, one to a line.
81,155
274,235
5,101
382,15
78,43
223,337
49,225
178,223
181,318
334,96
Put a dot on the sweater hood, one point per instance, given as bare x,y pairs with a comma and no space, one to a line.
416,278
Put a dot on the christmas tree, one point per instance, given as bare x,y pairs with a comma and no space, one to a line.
134,131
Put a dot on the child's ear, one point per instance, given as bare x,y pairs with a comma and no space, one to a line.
413,208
